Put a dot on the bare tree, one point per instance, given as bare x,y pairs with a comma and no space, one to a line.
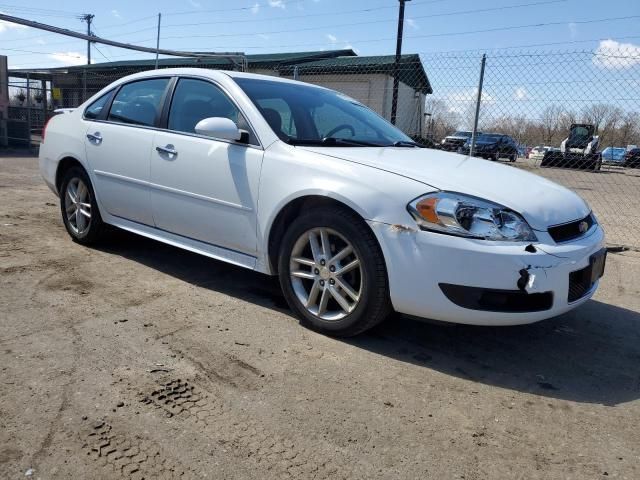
551,120
443,119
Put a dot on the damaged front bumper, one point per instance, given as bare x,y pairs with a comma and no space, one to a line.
480,282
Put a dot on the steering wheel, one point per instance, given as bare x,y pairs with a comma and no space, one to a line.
344,126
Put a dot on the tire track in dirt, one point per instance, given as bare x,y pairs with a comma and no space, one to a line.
247,438
130,456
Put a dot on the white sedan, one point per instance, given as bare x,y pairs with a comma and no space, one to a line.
299,181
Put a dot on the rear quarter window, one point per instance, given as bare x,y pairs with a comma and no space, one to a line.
94,110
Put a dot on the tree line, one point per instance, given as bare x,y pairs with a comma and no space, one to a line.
615,126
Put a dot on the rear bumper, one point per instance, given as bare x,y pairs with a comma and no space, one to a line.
419,263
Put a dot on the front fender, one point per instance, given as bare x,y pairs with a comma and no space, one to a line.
289,174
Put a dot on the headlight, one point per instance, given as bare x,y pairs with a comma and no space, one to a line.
467,216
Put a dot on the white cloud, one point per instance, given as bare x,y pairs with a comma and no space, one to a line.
116,13
520,93
277,4
412,23
614,55
461,100
573,29
195,4
331,38
4,25
69,58
263,36
256,8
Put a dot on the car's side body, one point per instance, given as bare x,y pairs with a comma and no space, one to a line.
233,200
371,192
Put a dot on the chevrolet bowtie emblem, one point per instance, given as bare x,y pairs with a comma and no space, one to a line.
583,226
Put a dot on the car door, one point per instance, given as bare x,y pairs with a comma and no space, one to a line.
119,144
207,189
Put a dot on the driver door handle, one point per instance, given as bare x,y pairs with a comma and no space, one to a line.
169,150
95,137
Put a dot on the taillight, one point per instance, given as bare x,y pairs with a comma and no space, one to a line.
44,129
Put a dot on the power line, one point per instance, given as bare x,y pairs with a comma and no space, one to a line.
350,24
38,11
91,38
103,55
448,34
433,15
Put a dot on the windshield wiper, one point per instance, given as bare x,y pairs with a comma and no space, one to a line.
406,143
332,142
348,141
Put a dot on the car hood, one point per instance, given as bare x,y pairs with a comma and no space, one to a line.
543,203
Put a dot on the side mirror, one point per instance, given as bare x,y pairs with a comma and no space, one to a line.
219,127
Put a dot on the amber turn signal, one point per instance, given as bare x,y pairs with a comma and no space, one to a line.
427,209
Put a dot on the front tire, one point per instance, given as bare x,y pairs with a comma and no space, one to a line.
333,273
79,208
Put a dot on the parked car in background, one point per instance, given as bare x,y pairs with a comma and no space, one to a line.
493,146
537,153
632,158
454,142
298,181
613,155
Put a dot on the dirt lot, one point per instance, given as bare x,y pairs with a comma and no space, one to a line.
140,360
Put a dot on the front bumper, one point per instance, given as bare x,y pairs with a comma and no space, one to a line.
419,262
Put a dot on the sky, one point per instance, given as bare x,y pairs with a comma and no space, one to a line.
369,27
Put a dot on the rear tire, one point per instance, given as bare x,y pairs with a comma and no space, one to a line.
79,208
315,249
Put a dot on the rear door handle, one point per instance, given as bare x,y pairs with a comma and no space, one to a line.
95,137
169,150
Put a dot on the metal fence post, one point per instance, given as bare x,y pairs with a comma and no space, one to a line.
478,102
28,111
158,40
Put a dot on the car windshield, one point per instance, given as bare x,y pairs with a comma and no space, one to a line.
489,138
307,115
580,132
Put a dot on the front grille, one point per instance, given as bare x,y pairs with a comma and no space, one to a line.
582,281
572,230
579,284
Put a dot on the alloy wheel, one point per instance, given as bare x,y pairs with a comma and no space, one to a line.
326,274
78,206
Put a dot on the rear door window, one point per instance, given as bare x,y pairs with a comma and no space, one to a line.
139,103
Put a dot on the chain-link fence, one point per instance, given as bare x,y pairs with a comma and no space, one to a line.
570,116
535,98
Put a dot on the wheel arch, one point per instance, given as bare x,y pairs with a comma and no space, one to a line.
64,165
291,210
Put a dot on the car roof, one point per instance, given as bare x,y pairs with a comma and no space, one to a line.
213,74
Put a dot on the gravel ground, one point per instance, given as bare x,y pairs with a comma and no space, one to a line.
137,360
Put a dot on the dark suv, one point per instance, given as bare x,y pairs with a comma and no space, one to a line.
455,141
493,146
632,158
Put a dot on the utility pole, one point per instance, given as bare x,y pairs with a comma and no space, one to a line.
158,40
474,133
87,17
396,66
